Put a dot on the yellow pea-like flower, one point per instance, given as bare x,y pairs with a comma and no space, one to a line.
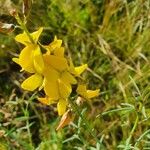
24,38
64,89
61,106
54,45
68,78
33,82
38,60
77,71
51,77
81,90
58,63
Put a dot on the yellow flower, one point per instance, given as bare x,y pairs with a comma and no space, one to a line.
24,38
81,90
76,70
33,82
31,59
61,104
58,63
55,47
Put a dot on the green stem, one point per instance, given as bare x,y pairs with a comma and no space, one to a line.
23,26
91,131
131,133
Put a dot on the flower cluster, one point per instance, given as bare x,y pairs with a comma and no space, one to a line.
50,70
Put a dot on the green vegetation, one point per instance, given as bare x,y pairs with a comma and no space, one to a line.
113,38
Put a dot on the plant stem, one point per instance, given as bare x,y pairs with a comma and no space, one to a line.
23,26
131,133
91,131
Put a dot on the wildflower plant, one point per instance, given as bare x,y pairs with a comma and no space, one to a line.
50,70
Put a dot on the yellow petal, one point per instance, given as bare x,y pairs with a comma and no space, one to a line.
76,70
71,67
51,83
80,69
61,106
92,93
46,100
51,89
26,59
68,78
35,35
56,43
16,60
81,90
24,39
38,60
64,89
53,45
59,52
57,63
32,82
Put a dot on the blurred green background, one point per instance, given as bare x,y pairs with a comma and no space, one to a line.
113,38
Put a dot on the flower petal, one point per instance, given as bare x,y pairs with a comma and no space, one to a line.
81,90
76,70
57,63
80,69
16,60
24,39
51,83
61,106
26,59
59,51
35,35
32,82
68,78
38,60
92,93
64,89
56,43
53,45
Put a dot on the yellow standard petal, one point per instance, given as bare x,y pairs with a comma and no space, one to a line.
81,90
38,60
57,63
51,83
61,106
16,60
92,93
64,89
56,43
59,51
32,82
26,58
76,70
35,35
53,45
68,78
24,38
80,69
